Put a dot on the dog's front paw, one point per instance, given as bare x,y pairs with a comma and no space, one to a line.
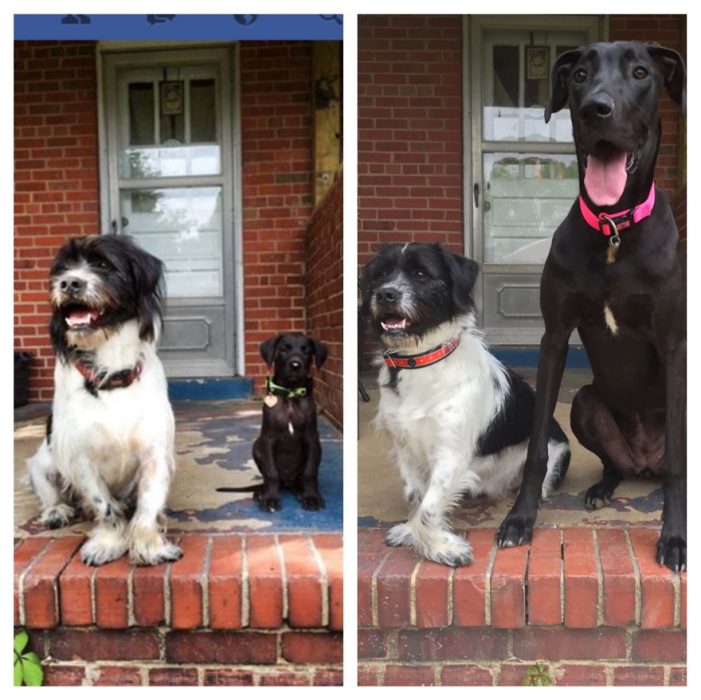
151,556
57,516
515,530
450,550
400,536
101,549
671,552
311,501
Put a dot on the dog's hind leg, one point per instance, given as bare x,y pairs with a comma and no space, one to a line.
45,481
147,543
597,430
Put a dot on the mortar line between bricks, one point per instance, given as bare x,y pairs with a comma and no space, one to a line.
450,604
20,582
55,589
93,594
131,618
373,592
204,579
245,602
525,586
488,585
677,585
412,593
562,575
599,580
323,582
283,576
167,602
638,581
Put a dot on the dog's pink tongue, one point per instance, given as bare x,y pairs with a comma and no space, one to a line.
80,318
605,179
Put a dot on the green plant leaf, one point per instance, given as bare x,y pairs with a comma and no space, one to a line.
21,639
33,673
18,672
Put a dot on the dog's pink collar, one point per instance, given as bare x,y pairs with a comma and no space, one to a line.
621,219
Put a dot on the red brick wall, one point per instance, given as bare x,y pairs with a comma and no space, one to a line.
324,299
56,180
409,130
273,616
57,188
277,184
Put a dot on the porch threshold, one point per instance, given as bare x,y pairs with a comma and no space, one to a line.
210,388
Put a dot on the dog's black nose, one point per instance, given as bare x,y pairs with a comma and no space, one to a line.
72,285
295,364
387,295
597,106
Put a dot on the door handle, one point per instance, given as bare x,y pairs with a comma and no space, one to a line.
476,194
113,225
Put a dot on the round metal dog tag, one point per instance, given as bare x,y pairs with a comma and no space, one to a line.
270,400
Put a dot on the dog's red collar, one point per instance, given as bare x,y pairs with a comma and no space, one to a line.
96,381
423,359
622,219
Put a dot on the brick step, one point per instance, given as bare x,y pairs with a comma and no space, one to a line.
591,604
223,582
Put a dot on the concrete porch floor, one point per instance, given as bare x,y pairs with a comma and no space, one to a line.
213,448
636,501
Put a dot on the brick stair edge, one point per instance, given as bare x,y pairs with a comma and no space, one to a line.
217,584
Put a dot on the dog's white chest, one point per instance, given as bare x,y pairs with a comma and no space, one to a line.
610,319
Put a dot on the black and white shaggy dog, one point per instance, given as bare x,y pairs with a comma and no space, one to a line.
109,441
459,421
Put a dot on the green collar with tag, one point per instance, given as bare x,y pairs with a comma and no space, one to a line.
278,390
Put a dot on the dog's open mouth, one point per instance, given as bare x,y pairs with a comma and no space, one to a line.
606,172
394,324
80,318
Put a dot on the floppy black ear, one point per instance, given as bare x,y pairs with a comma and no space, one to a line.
673,72
320,352
559,75
463,275
147,273
268,347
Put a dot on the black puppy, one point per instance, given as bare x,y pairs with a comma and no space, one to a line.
288,451
615,273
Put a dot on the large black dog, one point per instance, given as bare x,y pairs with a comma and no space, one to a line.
615,273
288,451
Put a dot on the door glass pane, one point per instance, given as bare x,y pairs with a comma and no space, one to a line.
141,114
183,227
516,87
526,197
203,111
171,129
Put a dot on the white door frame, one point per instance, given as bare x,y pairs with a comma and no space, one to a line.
472,129
141,53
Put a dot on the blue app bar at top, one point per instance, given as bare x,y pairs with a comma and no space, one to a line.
171,27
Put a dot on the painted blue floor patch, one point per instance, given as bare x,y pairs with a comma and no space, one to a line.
214,450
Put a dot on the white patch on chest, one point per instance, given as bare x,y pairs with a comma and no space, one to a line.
290,428
610,319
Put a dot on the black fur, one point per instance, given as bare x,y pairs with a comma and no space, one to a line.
637,399
131,286
289,459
